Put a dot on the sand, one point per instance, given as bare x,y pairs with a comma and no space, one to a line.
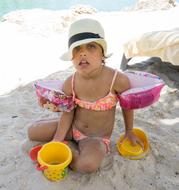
31,52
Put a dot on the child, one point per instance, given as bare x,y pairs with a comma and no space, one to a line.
93,87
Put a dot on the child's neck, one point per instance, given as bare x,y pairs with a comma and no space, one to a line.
96,73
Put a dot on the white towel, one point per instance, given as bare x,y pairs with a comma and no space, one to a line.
163,44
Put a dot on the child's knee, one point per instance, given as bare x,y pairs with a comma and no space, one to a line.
31,132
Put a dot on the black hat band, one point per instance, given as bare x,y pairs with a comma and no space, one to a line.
82,36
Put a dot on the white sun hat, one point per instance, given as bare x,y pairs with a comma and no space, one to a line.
85,31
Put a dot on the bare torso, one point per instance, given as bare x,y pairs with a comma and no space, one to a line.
94,123
90,122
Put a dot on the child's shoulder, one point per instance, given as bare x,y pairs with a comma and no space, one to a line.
121,83
120,75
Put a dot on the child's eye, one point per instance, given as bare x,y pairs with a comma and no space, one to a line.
77,48
91,46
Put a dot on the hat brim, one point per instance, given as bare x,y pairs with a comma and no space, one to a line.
68,55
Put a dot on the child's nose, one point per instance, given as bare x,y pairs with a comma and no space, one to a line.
83,51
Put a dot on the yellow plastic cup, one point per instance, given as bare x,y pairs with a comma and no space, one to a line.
126,149
54,158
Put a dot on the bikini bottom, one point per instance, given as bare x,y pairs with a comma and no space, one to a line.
77,136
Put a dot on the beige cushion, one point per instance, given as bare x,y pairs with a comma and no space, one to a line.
163,44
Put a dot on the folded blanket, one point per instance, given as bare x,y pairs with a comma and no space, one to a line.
163,44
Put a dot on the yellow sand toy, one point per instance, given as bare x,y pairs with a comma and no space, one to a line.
53,159
136,152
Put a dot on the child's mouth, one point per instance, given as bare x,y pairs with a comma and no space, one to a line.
83,63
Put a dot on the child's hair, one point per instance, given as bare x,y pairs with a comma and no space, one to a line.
85,31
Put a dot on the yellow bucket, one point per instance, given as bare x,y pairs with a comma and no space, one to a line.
126,149
54,158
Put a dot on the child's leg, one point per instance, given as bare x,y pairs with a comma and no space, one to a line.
91,154
44,130
41,131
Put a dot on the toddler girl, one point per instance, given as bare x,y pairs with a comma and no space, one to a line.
93,87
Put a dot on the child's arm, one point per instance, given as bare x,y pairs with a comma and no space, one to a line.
122,84
66,119
65,122
128,116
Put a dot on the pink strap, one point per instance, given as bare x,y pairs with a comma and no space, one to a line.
72,85
106,142
113,80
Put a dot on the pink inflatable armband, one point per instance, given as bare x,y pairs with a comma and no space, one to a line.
53,98
145,90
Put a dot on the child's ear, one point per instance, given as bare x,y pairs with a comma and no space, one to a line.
103,60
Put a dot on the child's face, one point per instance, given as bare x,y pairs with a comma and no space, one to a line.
87,57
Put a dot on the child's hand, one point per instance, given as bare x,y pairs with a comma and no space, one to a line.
133,139
58,140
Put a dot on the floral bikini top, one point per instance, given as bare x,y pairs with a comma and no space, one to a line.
102,104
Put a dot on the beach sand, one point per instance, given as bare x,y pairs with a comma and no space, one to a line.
32,53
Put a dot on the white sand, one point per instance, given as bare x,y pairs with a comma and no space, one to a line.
31,50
